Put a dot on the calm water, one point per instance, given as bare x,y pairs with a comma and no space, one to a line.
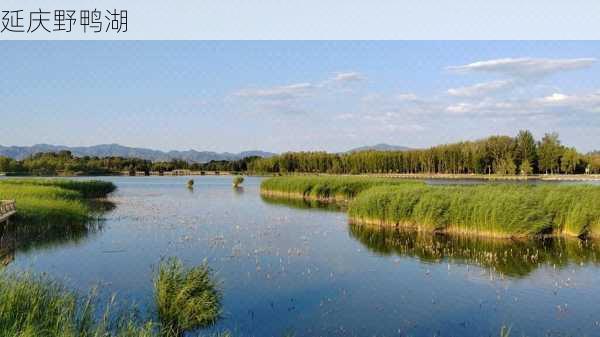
288,268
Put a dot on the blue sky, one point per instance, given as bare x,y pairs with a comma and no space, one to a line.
279,96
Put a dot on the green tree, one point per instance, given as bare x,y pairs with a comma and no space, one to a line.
526,149
525,168
506,166
570,160
550,151
4,164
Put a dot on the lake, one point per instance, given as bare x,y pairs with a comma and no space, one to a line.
292,267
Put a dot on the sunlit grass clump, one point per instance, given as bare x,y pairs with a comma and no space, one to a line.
53,201
502,210
333,188
186,298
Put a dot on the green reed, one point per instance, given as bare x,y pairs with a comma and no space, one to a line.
34,306
493,209
338,188
53,200
502,210
186,298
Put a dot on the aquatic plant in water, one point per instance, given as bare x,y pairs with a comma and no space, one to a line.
36,306
329,188
186,298
237,181
501,210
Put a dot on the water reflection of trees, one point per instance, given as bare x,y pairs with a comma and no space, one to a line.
300,203
23,237
515,258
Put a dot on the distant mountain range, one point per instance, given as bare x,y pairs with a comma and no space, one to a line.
381,147
116,150
107,150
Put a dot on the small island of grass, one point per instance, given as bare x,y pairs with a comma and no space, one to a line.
497,210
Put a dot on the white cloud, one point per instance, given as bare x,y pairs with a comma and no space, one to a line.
524,67
557,104
294,92
571,103
278,92
348,77
406,97
556,97
481,89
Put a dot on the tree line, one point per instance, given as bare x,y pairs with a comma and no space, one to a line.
501,155
65,163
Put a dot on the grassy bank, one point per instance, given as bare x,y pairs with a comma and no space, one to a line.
53,200
500,210
325,188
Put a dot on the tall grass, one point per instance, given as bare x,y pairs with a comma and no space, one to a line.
185,298
86,188
495,210
502,210
53,201
33,306
332,188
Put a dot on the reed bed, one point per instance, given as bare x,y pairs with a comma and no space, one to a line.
37,306
33,306
186,298
325,188
53,201
498,210
86,188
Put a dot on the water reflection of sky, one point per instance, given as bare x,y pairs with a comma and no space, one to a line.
292,269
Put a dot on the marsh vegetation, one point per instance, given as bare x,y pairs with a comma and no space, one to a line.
237,181
325,188
36,306
186,298
53,201
500,210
